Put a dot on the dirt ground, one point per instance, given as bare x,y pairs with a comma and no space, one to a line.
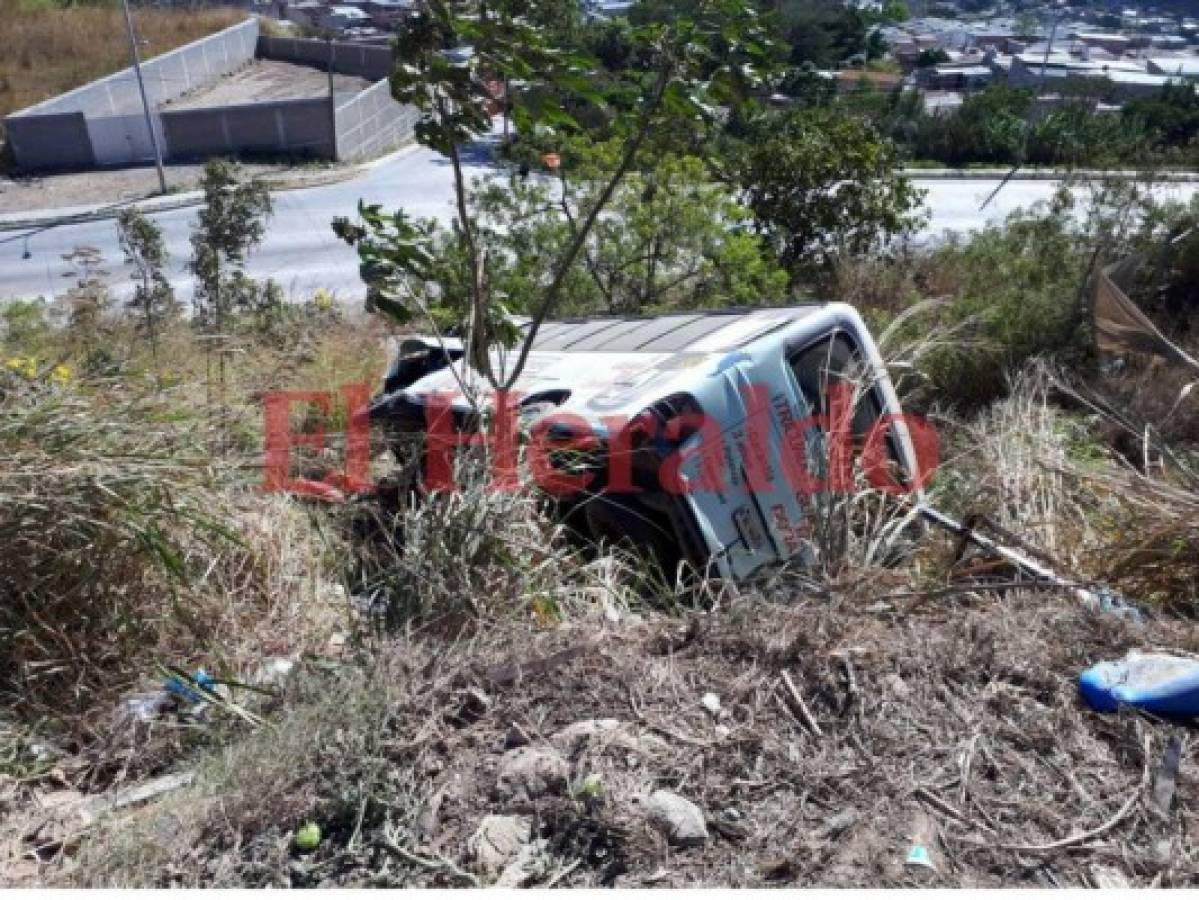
860,737
29,194
265,79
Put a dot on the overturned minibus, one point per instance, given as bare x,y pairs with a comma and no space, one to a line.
703,437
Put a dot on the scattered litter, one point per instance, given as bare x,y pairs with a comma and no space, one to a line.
307,837
176,686
273,671
1155,682
922,834
1165,779
148,706
918,856
711,703
588,788
1030,562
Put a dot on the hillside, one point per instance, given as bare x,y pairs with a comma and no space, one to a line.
51,48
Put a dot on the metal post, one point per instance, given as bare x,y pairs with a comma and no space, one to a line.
332,100
137,68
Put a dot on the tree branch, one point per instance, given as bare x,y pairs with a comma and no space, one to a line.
572,251
476,344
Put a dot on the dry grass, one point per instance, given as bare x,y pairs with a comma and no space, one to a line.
134,527
51,48
961,723
947,707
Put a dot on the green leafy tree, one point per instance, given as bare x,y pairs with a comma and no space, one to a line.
145,251
1169,119
808,86
990,126
895,11
231,223
824,32
670,238
932,56
821,183
689,66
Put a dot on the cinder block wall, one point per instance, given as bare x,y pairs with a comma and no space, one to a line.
372,123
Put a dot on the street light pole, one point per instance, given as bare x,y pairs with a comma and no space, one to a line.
141,86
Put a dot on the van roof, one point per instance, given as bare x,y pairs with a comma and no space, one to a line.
668,333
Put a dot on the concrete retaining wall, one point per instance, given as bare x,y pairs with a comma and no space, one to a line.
372,123
292,127
51,141
370,62
103,124
166,77
53,134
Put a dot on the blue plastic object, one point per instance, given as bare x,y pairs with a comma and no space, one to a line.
184,691
1155,682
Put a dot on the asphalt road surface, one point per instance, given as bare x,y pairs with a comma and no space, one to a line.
302,254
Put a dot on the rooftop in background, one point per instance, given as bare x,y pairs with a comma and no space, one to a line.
1186,66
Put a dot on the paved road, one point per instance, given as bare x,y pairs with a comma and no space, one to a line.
302,254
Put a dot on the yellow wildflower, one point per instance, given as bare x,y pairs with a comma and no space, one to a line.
22,365
60,374
322,300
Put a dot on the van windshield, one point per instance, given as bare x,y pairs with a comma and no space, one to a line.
834,360
829,361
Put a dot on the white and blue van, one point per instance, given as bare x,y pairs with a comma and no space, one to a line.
695,429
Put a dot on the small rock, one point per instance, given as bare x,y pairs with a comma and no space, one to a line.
678,818
498,841
841,822
531,772
604,733
898,686
335,647
711,703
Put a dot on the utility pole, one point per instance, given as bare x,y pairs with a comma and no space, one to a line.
141,86
332,99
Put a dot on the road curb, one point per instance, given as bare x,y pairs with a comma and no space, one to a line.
152,204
